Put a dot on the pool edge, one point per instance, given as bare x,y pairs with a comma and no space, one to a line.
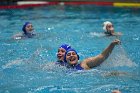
27,4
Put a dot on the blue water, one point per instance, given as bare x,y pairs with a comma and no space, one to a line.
26,66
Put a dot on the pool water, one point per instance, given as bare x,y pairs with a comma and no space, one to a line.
26,66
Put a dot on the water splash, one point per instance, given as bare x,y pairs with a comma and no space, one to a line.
95,34
119,58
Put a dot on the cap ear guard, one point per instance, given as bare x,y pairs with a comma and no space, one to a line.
78,56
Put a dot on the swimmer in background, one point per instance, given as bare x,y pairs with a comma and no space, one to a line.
27,31
109,29
72,57
61,53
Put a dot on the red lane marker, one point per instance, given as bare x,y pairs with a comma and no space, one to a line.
55,3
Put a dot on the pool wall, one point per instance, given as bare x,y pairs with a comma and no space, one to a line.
10,4
74,0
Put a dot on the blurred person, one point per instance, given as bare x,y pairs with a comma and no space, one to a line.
27,31
109,29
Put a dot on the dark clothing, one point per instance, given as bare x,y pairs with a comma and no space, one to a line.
108,33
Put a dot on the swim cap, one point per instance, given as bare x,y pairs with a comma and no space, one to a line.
24,27
105,24
65,46
69,51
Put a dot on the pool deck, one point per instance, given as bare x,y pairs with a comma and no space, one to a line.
10,4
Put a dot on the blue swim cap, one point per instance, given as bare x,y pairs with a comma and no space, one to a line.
65,46
69,51
24,26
